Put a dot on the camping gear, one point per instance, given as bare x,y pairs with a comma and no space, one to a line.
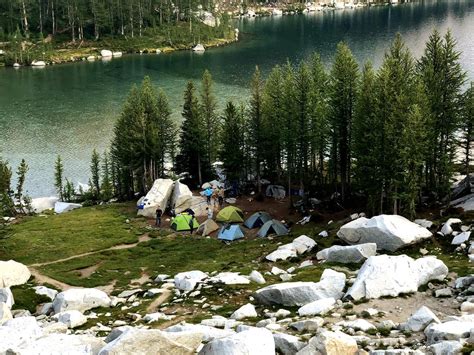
181,198
230,232
272,227
181,222
230,214
257,220
275,191
157,197
207,227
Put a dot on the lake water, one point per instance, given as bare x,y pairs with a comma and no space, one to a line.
70,109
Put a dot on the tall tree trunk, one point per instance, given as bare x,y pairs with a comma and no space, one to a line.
25,19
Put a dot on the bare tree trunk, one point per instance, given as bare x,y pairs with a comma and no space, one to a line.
40,16
53,18
25,19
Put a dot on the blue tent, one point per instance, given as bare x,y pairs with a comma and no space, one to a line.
272,227
230,232
256,220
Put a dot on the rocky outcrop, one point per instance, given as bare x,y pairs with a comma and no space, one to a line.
157,197
5,313
80,299
72,319
319,307
13,273
246,311
6,297
348,254
330,343
187,281
389,232
287,344
63,344
181,198
386,275
450,330
230,278
41,204
420,320
331,285
208,333
253,341
63,207
298,246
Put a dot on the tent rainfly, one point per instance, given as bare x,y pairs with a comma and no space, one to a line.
182,222
275,191
230,232
230,214
257,220
207,227
272,227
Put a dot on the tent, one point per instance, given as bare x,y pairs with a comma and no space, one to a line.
230,214
258,219
230,232
207,227
272,227
275,191
181,222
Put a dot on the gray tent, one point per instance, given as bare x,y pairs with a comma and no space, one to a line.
272,227
256,220
275,191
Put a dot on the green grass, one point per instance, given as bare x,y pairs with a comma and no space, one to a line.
26,298
41,239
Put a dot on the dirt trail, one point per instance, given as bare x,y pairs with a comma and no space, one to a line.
42,279
156,303
141,239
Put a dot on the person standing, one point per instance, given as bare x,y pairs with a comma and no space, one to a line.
208,193
210,212
158,213
220,197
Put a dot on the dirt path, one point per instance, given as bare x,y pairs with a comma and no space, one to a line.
141,239
42,279
156,303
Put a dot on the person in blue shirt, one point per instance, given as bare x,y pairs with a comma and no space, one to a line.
208,193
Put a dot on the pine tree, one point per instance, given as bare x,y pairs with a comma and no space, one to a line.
106,187
209,117
95,173
232,149
7,206
255,124
467,128
21,177
192,155
443,78
344,81
58,177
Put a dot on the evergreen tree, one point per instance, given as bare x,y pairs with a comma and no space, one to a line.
467,128
192,155
95,173
232,149
209,117
58,177
21,177
106,187
255,124
7,206
367,140
443,77
344,82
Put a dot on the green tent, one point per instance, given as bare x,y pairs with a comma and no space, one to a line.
182,222
230,214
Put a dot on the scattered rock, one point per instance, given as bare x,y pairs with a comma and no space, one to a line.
308,325
443,292
208,333
389,232
330,343
451,330
6,297
72,319
230,278
246,311
284,252
461,238
5,313
13,273
446,347
287,344
358,324
257,277
45,291
386,275
300,293
80,299
447,226
187,281
154,317
128,293
348,254
424,223
420,320
319,307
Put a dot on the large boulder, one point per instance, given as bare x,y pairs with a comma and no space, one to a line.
187,281
300,293
208,333
72,319
386,275
246,311
283,252
5,313
451,330
18,331
41,204
13,273
330,343
6,297
303,244
80,299
45,291
348,254
151,342
420,320
230,278
157,197
389,232
182,197
287,344
106,53
319,307
253,341
62,207
62,344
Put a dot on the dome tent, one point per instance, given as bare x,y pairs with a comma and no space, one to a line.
182,222
207,227
230,232
272,227
256,220
230,214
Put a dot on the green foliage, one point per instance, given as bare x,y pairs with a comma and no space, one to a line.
26,298
58,177
95,172
7,206
232,139
208,106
